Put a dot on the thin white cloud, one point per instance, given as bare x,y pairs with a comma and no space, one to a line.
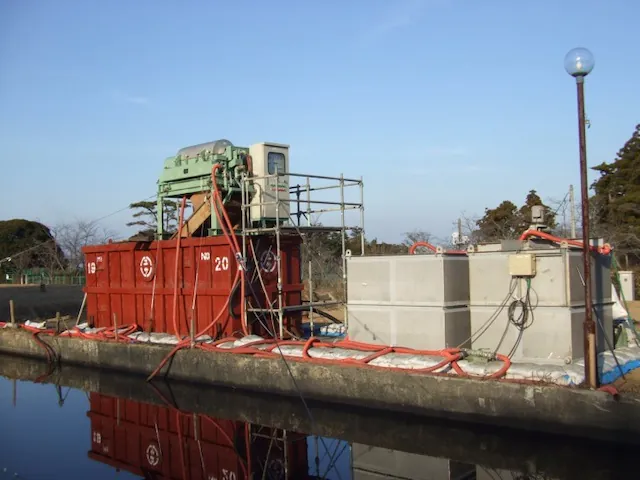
446,152
447,169
444,160
401,14
133,99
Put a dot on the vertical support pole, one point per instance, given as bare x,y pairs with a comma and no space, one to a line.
12,313
344,253
308,202
310,260
160,217
361,217
285,448
311,302
84,301
279,260
244,201
317,457
115,325
192,326
572,206
298,211
590,352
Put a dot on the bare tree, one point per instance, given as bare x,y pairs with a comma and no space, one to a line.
52,258
71,237
417,235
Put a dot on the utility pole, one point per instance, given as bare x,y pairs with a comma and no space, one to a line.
572,205
460,230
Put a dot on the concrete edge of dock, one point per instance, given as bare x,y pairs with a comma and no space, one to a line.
542,408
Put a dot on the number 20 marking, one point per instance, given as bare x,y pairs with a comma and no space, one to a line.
222,263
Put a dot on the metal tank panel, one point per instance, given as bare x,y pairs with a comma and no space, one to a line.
416,301
411,280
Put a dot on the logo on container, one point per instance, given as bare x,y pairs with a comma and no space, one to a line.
146,267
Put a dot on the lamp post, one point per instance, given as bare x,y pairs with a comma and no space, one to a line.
578,63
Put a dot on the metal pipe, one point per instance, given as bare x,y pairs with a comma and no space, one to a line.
319,202
304,175
327,187
590,364
338,209
344,252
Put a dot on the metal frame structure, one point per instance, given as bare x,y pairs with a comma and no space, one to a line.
293,226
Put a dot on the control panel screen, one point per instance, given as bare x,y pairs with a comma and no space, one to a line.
275,162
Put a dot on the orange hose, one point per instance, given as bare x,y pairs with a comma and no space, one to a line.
412,249
206,417
450,356
233,241
604,250
242,277
177,269
247,443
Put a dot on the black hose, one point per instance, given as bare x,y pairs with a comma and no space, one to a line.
232,302
326,315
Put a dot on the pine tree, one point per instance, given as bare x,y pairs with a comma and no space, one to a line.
507,221
617,200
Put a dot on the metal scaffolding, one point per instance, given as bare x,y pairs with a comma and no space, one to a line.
294,218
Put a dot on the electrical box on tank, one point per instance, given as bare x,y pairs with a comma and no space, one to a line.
268,159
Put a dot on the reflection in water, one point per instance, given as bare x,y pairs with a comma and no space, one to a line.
162,442
136,430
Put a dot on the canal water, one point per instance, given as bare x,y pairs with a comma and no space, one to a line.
75,423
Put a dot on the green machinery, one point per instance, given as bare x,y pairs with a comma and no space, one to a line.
249,179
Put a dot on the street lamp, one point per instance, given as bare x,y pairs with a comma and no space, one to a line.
578,63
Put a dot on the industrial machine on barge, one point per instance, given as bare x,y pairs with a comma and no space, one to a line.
234,263
230,279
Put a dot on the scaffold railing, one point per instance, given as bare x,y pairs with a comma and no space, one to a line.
294,216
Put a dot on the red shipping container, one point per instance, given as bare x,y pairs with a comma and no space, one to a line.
151,440
135,282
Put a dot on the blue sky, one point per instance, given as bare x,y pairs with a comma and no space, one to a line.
443,106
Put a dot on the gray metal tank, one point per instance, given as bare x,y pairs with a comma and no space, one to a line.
217,147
